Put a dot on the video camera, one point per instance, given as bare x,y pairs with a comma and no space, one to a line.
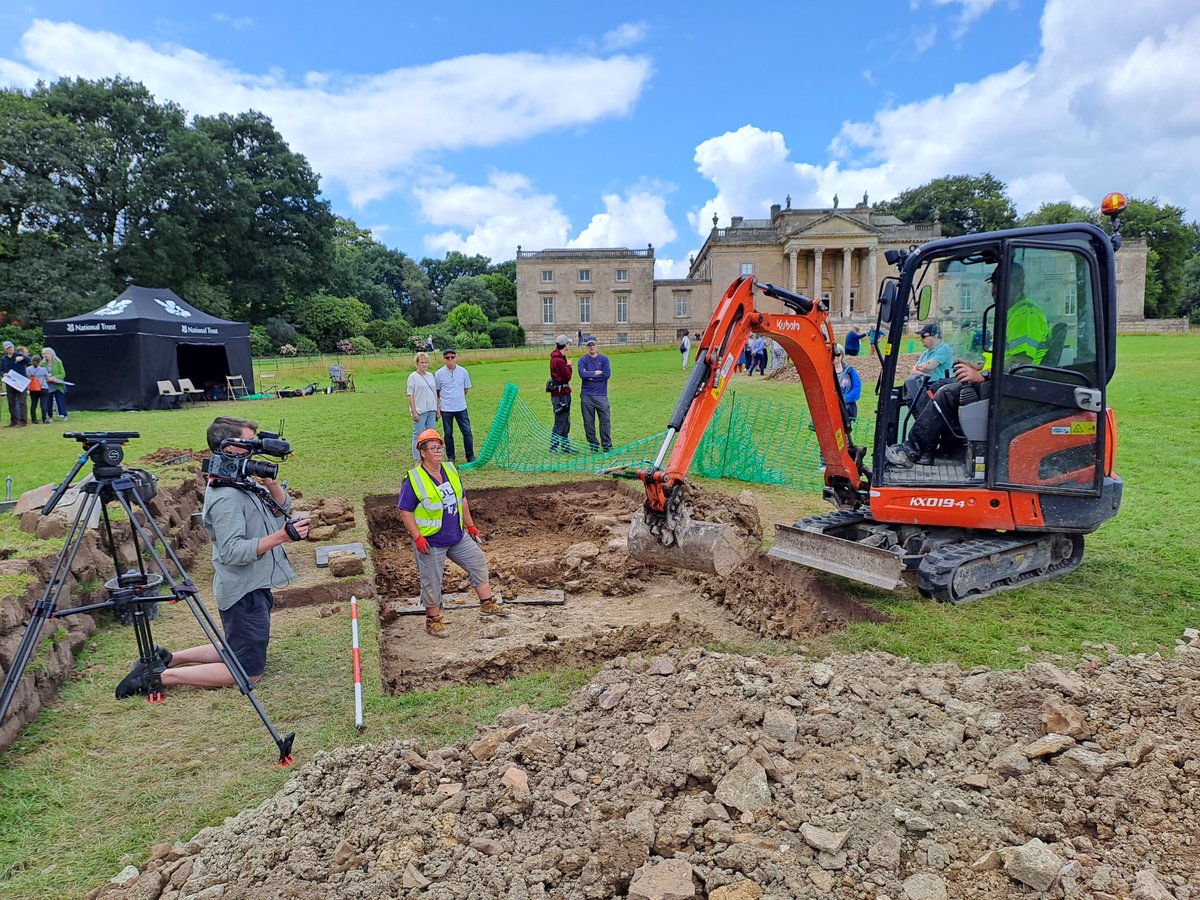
239,467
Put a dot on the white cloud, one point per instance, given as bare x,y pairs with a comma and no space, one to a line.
626,35
971,11
1106,106
673,268
238,23
639,218
367,133
490,219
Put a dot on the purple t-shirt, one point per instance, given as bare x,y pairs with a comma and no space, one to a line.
451,532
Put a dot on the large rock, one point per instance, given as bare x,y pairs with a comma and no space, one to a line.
1059,717
670,879
745,787
1033,864
344,563
924,886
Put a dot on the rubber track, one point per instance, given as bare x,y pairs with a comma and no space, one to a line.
837,519
935,576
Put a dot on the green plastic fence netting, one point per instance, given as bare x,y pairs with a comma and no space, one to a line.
749,439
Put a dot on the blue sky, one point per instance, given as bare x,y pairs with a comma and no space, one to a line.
481,126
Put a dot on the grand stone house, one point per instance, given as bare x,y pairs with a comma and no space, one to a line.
836,254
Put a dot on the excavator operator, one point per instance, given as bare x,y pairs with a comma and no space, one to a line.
1026,337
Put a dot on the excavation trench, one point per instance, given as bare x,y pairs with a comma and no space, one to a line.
572,538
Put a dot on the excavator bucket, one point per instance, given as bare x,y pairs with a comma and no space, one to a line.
827,553
709,547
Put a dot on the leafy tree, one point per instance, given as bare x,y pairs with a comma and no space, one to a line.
467,317
362,344
506,334
505,289
1190,305
456,265
327,319
279,242
281,331
1172,242
965,204
260,342
471,289
394,332
508,269
1061,213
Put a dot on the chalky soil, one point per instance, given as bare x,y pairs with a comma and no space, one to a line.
573,538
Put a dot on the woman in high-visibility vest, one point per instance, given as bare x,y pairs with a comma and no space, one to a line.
436,515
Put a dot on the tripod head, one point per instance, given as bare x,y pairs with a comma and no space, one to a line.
103,448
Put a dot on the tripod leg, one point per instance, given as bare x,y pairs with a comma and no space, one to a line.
44,609
146,653
186,591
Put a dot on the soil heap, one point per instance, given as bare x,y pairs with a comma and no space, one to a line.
704,775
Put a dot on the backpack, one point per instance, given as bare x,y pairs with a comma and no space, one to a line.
683,346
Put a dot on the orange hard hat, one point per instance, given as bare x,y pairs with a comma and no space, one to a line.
429,434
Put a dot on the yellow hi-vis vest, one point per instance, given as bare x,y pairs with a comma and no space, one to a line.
1028,334
430,507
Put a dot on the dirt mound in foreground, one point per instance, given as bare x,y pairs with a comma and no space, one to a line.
724,777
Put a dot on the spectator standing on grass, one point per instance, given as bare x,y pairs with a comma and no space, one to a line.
594,372
685,345
57,380
759,355
39,398
437,517
422,399
854,341
849,383
453,383
559,388
17,362
247,538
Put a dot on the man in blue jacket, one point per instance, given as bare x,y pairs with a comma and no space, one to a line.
594,371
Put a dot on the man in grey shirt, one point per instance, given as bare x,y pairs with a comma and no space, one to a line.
248,556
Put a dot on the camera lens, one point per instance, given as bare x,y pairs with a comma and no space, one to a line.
258,469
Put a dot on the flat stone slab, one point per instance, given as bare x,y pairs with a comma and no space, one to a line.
412,606
323,552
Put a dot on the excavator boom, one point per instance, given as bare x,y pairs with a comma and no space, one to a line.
665,533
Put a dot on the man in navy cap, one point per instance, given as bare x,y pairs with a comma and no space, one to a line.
15,361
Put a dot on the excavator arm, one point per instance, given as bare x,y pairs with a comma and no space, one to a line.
666,533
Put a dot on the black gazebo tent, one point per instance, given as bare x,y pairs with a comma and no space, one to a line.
116,354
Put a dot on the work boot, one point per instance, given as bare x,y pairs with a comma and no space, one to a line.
137,681
490,607
435,627
926,459
900,456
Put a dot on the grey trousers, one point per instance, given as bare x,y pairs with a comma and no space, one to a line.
594,407
431,567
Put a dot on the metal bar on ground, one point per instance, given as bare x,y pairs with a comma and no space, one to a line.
358,704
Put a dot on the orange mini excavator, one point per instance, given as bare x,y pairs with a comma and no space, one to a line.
1019,475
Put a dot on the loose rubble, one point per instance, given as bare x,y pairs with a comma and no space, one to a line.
706,775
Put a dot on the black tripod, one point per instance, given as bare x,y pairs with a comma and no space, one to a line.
134,592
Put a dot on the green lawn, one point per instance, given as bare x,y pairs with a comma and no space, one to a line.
94,782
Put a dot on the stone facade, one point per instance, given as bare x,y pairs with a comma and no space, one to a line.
836,254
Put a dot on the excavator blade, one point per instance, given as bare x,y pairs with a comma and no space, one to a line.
701,546
870,565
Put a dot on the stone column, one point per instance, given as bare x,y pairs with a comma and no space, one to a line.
791,270
847,253
872,286
817,253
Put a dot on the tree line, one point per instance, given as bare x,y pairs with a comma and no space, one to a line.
102,186
968,204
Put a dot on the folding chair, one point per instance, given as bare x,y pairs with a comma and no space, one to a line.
235,388
166,389
193,393
266,385
341,378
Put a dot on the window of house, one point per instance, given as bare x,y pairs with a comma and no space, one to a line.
622,337
827,297
547,310
853,299
622,275
681,306
747,268
966,301
547,276
622,309
1069,305
585,309
585,276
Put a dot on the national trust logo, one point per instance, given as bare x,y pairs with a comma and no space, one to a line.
173,308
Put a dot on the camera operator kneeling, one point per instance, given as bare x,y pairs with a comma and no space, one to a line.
248,525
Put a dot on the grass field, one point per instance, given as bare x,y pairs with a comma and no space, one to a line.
94,782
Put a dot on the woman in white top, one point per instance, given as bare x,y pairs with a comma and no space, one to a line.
422,399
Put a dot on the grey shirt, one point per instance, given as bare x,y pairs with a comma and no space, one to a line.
235,521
